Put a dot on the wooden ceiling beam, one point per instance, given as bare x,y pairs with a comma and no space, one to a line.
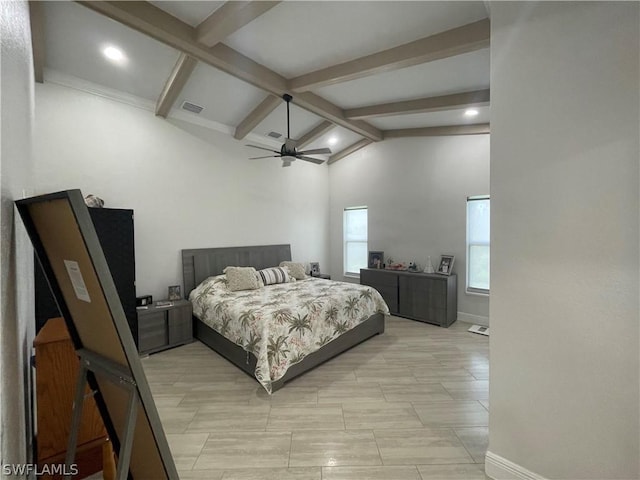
349,150
36,18
156,23
327,110
175,83
475,129
258,114
315,133
464,39
220,24
231,16
477,98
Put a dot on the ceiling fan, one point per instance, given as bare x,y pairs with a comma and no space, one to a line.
288,151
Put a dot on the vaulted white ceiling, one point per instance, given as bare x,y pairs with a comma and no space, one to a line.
288,41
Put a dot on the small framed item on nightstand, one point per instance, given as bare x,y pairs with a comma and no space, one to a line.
315,271
174,292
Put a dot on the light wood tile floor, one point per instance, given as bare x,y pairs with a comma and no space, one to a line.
411,404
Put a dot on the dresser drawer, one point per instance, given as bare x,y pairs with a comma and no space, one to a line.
152,331
375,278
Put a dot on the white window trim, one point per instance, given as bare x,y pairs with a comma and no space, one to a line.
344,242
480,292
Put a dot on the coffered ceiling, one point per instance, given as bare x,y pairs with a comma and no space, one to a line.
359,72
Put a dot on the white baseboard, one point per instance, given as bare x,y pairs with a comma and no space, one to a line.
500,468
473,319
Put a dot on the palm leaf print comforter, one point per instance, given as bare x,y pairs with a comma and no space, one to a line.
282,324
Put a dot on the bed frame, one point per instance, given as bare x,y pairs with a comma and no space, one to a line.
198,264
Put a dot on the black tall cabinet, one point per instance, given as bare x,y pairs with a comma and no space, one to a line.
114,227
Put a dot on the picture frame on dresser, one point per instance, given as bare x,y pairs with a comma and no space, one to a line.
446,265
376,259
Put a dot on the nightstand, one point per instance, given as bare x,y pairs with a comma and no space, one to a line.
160,328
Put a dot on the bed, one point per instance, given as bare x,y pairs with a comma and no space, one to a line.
202,269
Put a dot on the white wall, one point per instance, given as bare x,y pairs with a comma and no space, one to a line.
190,187
564,272
415,190
16,257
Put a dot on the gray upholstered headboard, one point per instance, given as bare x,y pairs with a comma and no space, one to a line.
200,263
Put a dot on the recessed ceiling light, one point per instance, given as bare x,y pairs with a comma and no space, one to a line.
471,112
113,53
333,140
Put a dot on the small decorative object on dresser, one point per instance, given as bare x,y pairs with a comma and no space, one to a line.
376,259
93,201
314,269
396,265
174,292
446,265
429,267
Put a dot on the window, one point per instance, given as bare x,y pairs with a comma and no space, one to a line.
355,240
478,250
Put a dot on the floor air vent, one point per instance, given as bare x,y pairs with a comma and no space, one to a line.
192,107
479,329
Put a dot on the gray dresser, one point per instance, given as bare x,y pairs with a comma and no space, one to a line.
426,297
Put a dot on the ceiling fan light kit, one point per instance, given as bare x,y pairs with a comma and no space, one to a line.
288,151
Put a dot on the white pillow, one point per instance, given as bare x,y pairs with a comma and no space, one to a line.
296,270
242,278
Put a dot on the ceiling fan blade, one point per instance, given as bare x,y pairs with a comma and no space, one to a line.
310,159
315,151
262,148
268,156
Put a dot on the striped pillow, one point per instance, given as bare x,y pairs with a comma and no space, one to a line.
274,275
